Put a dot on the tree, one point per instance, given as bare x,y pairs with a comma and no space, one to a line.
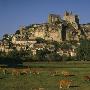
83,51
7,39
11,58
56,44
40,40
66,46
17,32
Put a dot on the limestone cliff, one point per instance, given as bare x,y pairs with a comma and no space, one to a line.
56,29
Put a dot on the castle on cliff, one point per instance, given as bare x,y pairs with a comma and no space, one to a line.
56,29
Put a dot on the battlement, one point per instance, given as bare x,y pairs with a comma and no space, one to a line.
69,17
53,18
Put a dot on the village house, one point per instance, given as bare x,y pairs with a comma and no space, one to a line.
37,46
34,51
70,52
4,47
60,52
23,43
50,47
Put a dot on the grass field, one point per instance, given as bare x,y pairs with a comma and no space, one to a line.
45,79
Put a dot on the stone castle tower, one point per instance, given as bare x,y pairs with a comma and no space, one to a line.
57,29
72,19
73,23
53,18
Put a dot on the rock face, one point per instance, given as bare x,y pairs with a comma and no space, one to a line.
48,32
54,18
86,30
56,29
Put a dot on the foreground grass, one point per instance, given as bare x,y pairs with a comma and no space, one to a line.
45,80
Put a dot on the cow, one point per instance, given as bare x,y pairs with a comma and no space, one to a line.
35,72
25,71
64,83
87,78
15,72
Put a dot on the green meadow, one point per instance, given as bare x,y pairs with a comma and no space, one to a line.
45,80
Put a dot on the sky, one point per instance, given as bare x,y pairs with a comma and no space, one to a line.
16,13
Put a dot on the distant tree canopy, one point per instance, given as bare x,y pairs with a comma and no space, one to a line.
40,40
56,44
83,51
66,46
9,59
17,32
16,57
5,37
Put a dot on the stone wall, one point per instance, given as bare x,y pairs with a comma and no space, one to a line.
73,19
53,18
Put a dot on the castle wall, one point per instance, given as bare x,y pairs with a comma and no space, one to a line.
52,30
53,18
70,18
73,19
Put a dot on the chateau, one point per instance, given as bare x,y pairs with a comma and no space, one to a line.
57,28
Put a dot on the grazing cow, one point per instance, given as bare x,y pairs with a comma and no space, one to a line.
15,72
35,72
65,83
87,78
25,71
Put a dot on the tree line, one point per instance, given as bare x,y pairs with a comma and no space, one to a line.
18,57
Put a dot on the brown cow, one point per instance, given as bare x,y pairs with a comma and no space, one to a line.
36,72
87,78
25,71
65,83
15,72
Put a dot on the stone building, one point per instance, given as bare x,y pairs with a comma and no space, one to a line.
54,30
53,18
72,19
